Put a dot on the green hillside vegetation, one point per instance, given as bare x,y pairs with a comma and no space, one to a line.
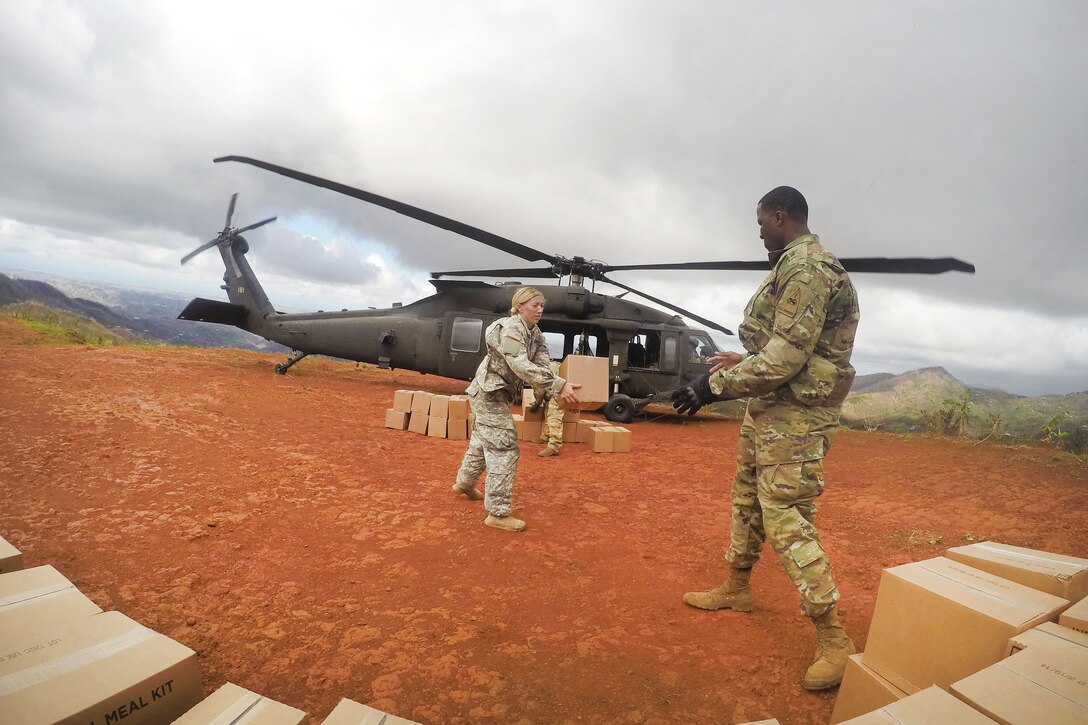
931,400
57,327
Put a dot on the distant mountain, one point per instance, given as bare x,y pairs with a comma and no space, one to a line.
896,403
143,313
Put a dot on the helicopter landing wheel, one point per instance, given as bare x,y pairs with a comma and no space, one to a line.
620,409
281,369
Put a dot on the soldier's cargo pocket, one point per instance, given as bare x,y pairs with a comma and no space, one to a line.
806,554
787,483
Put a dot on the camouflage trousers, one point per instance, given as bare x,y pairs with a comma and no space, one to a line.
497,451
552,428
774,496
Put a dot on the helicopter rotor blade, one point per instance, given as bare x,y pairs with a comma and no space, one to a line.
230,209
757,265
535,272
258,224
201,248
492,240
907,265
663,303
887,265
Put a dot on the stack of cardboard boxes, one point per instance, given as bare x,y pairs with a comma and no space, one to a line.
436,416
981,627
64,660
449,416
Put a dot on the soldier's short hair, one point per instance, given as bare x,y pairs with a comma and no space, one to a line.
788,200
522,296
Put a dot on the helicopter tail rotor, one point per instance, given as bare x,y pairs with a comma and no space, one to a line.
229,234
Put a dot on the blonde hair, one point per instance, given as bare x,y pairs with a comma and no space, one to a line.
522,296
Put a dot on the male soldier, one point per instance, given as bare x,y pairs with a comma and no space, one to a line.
552,428
798,330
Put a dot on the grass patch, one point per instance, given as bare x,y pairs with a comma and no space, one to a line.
57,327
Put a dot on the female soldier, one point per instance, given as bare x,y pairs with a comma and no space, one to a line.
516,354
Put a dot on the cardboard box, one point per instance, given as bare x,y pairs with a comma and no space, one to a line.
457,429
36,599
1046,634
459,407
11,559
600,439
349,712
1037,685
417,422
1076,617
621,439
402,400
937,621
1057,574
396,419
592,374
570,432
772,721
571,416
526,409
436,427
421,402
102,669
440,406
927,707
527,429
862,690
238,706
585,428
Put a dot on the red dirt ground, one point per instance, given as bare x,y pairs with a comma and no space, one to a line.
308,553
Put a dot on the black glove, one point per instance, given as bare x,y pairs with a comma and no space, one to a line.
691,398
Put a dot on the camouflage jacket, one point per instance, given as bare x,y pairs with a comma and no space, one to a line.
516,354
798,330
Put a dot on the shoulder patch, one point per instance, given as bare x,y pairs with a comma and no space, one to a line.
788,304
513,334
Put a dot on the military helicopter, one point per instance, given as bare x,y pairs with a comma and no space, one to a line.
650,352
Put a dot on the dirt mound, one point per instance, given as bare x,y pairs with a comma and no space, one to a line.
307,553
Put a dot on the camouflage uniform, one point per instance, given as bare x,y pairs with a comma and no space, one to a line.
798,330
552,429
516,354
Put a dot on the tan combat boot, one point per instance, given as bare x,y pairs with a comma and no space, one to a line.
733,594
835,648
539,439
549,451
506,523
472,494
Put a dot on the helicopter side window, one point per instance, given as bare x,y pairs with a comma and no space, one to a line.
700,347
669,353
646,347
466,334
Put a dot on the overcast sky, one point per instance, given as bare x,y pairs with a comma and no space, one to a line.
630,132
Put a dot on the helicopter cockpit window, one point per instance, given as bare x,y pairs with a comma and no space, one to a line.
700,347
466,334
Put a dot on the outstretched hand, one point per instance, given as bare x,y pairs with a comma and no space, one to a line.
689,399
567,394
724,360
